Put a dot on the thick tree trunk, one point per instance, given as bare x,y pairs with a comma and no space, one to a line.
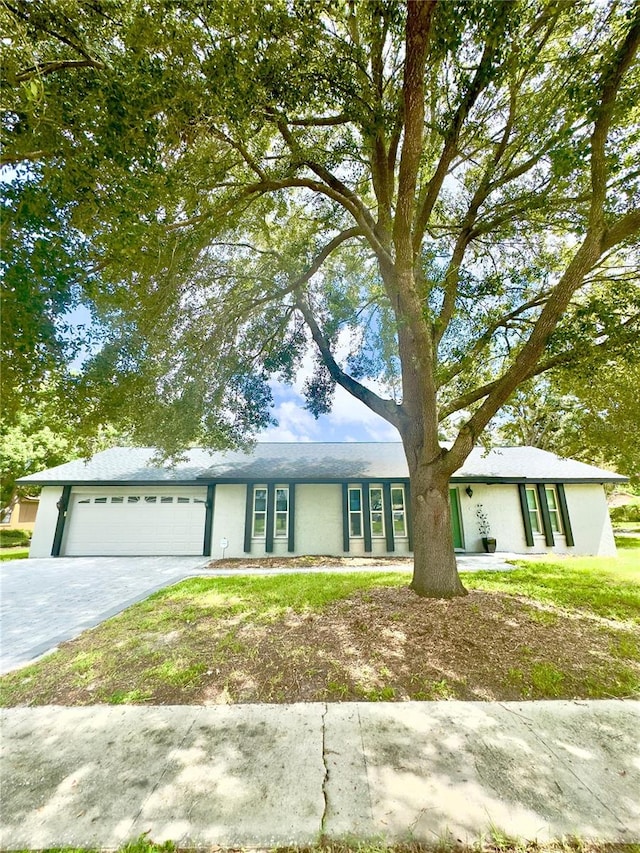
435,573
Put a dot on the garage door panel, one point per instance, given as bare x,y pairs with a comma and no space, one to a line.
102,524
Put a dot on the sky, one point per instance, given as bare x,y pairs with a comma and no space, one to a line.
350,420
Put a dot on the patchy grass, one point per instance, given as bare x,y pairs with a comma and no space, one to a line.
604,587
626,526
628,543
552,628
495,842
14,553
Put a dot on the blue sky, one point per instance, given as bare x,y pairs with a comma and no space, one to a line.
350,420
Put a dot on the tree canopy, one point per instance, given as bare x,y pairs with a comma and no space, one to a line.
442,197
589,412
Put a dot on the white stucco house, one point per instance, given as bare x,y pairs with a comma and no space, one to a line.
298,499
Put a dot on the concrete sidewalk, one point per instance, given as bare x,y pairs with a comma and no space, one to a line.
264,775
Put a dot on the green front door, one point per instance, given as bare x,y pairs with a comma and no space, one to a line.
456,524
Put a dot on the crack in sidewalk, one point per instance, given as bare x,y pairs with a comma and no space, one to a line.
325,780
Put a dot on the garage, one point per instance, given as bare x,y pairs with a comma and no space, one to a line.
143,521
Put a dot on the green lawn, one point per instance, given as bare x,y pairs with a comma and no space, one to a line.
13,554
496,842
551,628
602,586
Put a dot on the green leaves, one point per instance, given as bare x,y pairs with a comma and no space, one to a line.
196,169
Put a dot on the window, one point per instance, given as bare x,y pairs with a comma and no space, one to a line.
355,512
398,511
165,500
133,499
117,500
259,512
183,500
534,509
5,518
282,512
554,509
151,499
375,511
100,500
84,501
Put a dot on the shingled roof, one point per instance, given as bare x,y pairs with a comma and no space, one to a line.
313,462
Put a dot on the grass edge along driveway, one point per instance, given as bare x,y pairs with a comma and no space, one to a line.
552,628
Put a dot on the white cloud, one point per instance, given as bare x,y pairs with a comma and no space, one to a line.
350,420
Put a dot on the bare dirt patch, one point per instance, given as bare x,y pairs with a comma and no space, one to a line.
381,643
312,561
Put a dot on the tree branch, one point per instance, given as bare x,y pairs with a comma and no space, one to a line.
625,227
452,276
335,189
610,82
480,81
576,354
11,159
418,28
387,409
320,121
299,282
52,67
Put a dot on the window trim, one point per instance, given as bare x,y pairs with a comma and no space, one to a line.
255,512
277,512
534,512
359,512
399,487
380,512
551,488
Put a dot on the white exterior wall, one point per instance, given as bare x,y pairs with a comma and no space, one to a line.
228,520
318,527
46,521
318,521
590,521
588,514
501,504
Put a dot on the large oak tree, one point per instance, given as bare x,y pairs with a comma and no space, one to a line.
435,195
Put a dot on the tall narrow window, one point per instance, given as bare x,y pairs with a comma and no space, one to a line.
282,512
259,512
398,511
554,509
534,509
355,512
376,512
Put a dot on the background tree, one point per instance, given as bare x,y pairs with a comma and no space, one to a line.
590,412
44,278
437,189
40,436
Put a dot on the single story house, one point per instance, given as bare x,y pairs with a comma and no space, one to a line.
290,498
20,514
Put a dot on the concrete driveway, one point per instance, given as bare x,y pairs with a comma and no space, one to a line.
44,602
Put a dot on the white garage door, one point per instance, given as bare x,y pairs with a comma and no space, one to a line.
127,523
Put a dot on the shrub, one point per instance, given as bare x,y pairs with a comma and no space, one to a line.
628,512
12,538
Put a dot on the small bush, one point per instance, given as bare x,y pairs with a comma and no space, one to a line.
628,512
12,538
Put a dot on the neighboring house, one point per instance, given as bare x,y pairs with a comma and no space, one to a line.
20,515
311,499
